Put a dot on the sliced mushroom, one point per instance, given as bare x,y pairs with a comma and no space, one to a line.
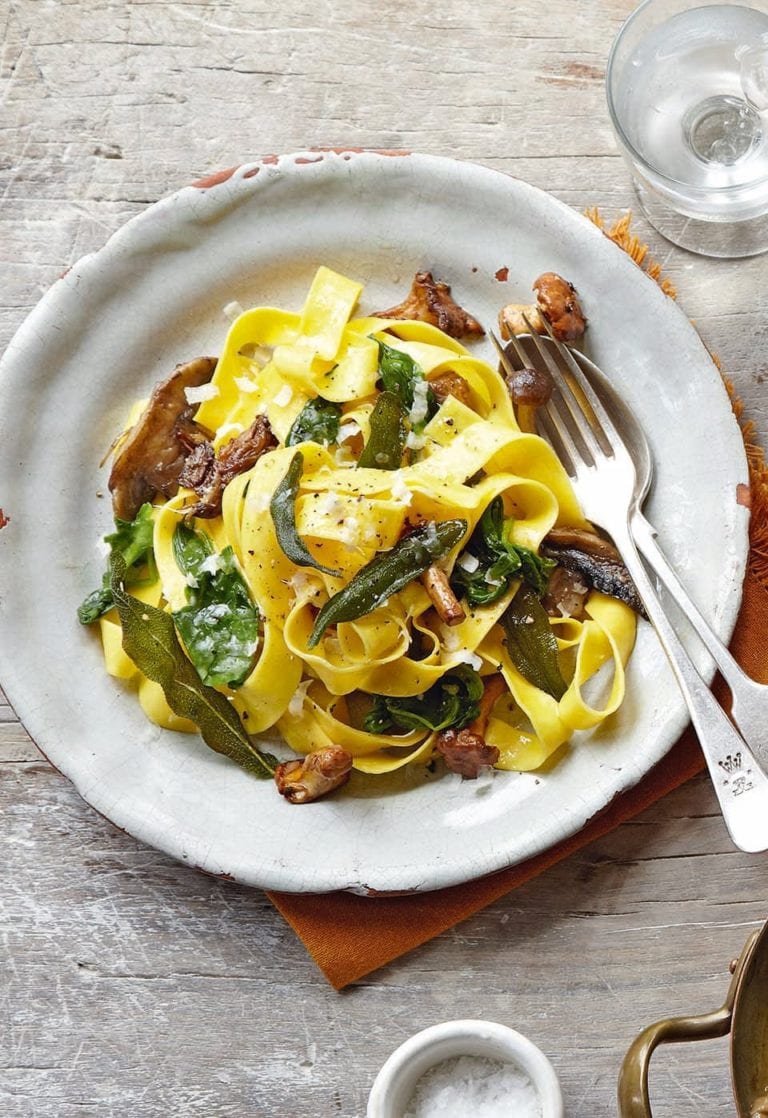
451,384
596,560
208,475
317,774
430,301
566,594
556,301
447,605
152,455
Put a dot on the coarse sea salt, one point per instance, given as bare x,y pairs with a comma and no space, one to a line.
476,1086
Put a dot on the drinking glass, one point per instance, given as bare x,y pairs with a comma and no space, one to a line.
687,88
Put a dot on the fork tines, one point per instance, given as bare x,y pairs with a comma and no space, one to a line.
574,422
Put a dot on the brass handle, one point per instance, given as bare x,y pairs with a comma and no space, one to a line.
633,1079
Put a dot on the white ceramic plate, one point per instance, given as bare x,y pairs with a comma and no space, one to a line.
120,320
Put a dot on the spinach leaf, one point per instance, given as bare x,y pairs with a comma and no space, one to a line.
454,701
220,625
317,422
132,540
499,560
400,374
149,638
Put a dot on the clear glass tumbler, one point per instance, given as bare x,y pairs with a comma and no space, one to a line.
687,88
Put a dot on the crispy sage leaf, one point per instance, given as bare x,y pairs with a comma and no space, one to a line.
388,573
386,442
149,638
282,509
531,644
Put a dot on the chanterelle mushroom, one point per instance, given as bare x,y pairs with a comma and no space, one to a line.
556,300
430,301
466,751
208,475
150,458
313,776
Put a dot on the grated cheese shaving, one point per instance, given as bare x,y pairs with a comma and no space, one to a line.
348,430
245,384
400,491
197,395
232,310
284,396
419,408
464,656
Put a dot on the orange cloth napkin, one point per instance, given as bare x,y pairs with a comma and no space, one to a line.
350,936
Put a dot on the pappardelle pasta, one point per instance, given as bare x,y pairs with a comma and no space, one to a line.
346,544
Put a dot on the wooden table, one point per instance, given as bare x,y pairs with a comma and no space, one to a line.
132,986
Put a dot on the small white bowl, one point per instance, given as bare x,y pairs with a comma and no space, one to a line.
394,1085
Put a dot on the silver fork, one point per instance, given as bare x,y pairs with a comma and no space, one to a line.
603,474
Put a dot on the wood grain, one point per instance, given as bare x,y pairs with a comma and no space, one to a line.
130,985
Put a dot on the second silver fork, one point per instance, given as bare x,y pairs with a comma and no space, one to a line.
602,471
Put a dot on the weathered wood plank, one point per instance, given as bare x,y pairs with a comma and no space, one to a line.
132,985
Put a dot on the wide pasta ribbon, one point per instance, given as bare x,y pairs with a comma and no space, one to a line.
468,455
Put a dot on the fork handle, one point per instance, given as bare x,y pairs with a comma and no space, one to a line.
749,698
740,784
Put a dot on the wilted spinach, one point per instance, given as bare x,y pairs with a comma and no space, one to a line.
400,374
454,701
499,561
220,624
317,422
132,540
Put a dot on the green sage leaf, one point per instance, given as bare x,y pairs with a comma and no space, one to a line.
149,638
531,644
282,509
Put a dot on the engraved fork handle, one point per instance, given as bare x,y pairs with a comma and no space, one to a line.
740,784
749,709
